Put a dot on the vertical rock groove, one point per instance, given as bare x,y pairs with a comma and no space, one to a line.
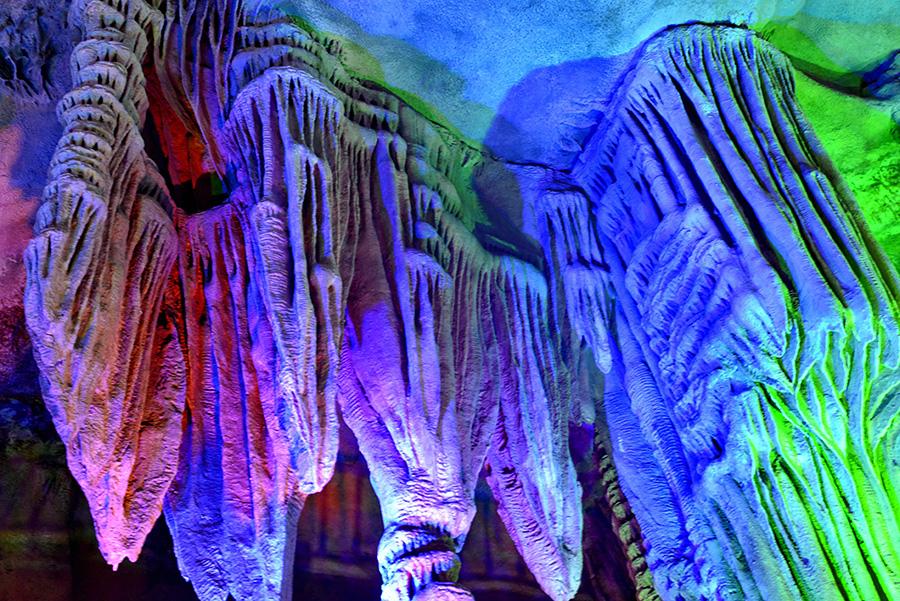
102,316
234,504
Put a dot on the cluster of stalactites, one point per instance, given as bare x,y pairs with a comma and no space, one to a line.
566,229
702,250
195,362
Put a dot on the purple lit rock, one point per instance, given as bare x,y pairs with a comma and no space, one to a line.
256,310
234,504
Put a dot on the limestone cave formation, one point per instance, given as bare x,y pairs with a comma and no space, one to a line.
243,281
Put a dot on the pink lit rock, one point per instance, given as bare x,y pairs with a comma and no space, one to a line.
102,315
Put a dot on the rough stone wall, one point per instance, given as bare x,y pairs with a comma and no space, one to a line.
35,44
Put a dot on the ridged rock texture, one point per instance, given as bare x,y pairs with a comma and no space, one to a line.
102,314
338,271
752,400
706,282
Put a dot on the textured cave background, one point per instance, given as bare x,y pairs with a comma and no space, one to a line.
528,80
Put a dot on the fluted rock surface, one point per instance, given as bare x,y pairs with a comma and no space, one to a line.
756,331
234,504
340,267
101,311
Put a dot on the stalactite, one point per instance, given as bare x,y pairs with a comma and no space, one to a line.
567,233
401,343
234,504
532,475
289,178
101,312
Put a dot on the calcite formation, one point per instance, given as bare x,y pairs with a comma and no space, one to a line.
701,276
333,272
102,321
756,345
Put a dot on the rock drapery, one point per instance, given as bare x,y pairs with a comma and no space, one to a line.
328,188
756,341
701,260
102,320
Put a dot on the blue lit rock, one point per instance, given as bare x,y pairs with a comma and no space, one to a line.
756,331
